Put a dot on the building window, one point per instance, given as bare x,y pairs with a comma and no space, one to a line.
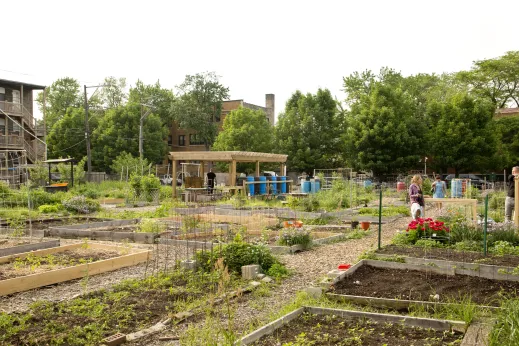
181,140
195,140
2,126
170,141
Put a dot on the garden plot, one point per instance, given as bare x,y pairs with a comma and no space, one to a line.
320,326
399,285
11,246
34,269
449,255
127,307
114,230
40,225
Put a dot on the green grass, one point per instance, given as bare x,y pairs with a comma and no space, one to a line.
506,330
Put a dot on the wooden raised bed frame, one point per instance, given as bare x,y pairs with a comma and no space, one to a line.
129,257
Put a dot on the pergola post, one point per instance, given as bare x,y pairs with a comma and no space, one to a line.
257,168
202,171
233,173
282,170
516,198
174,176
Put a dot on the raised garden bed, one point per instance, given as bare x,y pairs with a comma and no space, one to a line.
406,283
114,230
449,255
16,246
127,307
209,240
321,326
40,225
34,269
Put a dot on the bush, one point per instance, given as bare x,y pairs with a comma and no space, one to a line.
405,238
504,233
235,255
150,226
49,208
502,248
278,271
295,236
468,245
81,205
463,231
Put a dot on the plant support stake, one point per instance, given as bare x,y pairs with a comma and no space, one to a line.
380,219
485,227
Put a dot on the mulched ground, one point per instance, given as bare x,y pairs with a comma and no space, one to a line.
316,330
450,255
417,285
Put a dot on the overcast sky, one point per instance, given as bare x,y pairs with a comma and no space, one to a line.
257,47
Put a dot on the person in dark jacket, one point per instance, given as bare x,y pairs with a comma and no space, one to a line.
510,194
211,180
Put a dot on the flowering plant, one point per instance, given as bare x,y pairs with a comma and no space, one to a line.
293,236
428,228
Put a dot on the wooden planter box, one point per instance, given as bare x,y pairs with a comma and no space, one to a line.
29,247
129,257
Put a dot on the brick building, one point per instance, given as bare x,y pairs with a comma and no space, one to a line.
187,140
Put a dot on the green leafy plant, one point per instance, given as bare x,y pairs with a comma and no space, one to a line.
278,270
502,248
295,236
50,208
81,205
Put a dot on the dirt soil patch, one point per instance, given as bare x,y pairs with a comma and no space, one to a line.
39,264
417,285
450,255
309,329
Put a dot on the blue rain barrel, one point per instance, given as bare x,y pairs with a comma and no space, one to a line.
274,185
456,188
367,183
306,186
251,186
315,185
263,186
283,185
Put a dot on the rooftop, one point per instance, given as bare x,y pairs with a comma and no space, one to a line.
226,156
17,84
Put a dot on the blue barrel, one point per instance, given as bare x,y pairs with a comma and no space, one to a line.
306,186
315,185
367,183
456,188
251,186
283,185
274,185
263,186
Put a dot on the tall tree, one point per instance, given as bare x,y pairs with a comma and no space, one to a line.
496,79
464,137
245,129
113,94
383,134
199,105
62,94
308,131
155,96
66,137
118,132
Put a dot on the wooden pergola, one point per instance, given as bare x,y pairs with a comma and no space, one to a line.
233,157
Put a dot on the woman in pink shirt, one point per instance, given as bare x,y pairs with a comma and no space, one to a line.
416,197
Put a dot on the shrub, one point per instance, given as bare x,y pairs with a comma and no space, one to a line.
49,208
463,231
236,255
81,205
468,245
150,226
295,236
502,248
504,233
405,238
278,271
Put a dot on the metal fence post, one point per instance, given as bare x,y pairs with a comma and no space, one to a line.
485,227
380,220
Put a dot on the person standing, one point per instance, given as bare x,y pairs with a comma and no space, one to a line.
439,189
416,197
211,179
510,195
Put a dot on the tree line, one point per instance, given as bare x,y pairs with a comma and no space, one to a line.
388,123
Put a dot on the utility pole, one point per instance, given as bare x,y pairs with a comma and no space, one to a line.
87,138
141,131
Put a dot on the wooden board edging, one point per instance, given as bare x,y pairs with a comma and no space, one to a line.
29,247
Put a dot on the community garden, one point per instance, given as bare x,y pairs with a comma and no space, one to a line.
114,262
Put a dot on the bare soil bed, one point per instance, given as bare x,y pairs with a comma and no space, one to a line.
417,285
39,264
450,255
310,329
